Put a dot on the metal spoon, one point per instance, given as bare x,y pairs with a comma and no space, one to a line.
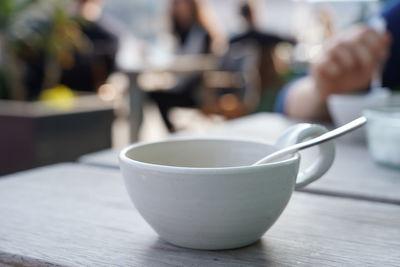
351,126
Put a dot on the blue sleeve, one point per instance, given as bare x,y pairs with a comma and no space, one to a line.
391,73
281,99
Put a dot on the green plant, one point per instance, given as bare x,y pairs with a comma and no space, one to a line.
10,75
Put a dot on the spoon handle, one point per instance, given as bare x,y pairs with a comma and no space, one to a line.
351,126
348,127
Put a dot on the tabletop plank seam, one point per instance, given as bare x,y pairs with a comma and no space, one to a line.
349,196
100,165
7,259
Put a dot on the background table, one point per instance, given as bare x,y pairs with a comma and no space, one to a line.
352,175
177,64
79,215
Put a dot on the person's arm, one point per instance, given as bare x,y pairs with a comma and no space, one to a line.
304,101
346,65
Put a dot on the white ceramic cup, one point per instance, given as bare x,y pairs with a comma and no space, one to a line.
204,193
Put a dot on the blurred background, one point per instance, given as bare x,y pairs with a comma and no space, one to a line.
78,76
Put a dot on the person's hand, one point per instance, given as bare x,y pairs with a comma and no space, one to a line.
348,63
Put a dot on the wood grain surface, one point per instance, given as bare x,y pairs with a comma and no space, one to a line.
77,215
352,175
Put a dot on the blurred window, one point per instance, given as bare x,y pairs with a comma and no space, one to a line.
147,18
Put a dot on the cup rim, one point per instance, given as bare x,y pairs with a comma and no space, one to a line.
123,158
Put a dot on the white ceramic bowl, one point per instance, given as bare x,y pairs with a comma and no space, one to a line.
203,193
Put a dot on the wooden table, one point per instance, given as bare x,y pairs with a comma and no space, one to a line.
80,215
353,174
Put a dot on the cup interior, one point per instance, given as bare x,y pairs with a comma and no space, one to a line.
200,153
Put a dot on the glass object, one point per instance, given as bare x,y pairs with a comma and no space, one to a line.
383,134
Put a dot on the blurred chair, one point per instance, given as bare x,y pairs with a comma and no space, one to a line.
233,90
265,43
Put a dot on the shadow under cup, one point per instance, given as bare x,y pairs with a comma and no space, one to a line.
204,193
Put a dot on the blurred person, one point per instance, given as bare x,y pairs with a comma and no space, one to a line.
263,39
82,69
325,20
347,65
91,69
193,35
264,44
